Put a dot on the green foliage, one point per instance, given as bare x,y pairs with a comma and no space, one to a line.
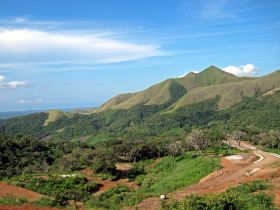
172,173
243,197
92,140
166,176
277,151
21,154
114,199
29,125
44,202
62,189
10,200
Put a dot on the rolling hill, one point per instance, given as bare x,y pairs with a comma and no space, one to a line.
207,84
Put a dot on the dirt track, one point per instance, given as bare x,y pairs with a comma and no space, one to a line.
256,165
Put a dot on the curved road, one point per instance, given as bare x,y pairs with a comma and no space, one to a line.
255,165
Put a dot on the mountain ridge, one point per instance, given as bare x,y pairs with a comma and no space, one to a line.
207,84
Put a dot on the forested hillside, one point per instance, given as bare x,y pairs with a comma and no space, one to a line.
186,140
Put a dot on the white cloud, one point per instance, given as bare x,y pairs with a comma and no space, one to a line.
2,78
245,70
20,20
215,9
12,84
22,101
23,21
37,46
188,73
17,84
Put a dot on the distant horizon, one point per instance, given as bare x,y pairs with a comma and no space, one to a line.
73,107
54,108
69,53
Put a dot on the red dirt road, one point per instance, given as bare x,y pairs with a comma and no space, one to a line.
257,165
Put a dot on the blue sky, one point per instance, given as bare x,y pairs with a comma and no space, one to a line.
69,53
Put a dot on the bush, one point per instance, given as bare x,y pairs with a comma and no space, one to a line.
10,200
243,197
112,199
61,189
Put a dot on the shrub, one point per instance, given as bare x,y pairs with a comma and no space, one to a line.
62,189
243,197
10,200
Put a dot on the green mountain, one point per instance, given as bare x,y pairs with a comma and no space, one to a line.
211,98
232,92
198,87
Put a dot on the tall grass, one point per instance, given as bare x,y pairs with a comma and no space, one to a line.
173,173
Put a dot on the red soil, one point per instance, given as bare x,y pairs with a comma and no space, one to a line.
25,207
14,191
233,173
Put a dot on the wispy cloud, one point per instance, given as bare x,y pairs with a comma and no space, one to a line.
24,21
22,101
12,84
215,9
38,46
245,70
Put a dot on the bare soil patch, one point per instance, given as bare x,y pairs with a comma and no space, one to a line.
25,207
14,191
235,171
107,184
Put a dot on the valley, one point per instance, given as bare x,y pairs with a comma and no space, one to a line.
197,140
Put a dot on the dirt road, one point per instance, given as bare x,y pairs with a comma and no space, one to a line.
236,170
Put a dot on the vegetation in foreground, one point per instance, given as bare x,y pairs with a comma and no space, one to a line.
166,176
244,197
60,189
180,138
10,200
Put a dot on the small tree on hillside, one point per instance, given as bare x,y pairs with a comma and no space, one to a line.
197,140
174,149
237,136
216,138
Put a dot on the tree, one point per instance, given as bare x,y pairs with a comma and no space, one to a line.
174,149
216,138
105,161
197,140
237,136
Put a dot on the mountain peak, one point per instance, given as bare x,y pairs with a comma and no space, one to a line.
214,71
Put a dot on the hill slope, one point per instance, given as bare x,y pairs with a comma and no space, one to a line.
232,92
160,93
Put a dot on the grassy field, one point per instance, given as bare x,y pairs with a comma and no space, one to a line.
276,151
53,116
173,173
98,138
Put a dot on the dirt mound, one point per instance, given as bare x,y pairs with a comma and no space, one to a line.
123,166
17,192
108,184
